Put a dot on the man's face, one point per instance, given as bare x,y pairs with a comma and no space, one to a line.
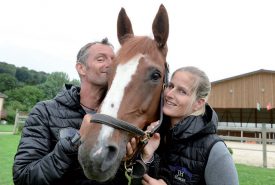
98,64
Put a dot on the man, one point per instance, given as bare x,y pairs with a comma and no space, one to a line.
47,152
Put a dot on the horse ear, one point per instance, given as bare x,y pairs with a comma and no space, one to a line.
124,26
161,26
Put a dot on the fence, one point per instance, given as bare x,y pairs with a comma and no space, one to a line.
21,117
19,121
261,139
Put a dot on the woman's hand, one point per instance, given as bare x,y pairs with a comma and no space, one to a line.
147,180
149,149
152,144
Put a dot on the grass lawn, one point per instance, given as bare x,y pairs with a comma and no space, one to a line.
6,128
8,146
248,175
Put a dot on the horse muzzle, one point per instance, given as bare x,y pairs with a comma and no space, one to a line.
102,162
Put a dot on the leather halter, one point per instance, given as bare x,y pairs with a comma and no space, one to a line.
116,123
128,127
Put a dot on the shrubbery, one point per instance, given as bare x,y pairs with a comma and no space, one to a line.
230,150
25,87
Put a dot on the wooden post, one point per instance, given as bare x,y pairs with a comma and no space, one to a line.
241,117
264,145
15,122
256,118
226,117
241,136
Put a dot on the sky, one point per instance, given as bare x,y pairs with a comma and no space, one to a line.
223,38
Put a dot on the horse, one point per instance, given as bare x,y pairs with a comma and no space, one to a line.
132,100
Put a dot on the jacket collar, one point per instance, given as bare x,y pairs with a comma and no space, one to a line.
193,126
69,96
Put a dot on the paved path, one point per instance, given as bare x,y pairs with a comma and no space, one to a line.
251,154
6,133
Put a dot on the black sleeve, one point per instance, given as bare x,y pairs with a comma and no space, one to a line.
156,171
153,168
36,161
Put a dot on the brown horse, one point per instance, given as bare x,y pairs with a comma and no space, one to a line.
133,96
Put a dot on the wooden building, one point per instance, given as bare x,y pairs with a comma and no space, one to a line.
2,98
245,99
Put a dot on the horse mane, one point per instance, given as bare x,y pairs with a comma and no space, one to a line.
140,44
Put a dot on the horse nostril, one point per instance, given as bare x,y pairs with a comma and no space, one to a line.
110,155
112,152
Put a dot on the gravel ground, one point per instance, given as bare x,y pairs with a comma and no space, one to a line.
251,154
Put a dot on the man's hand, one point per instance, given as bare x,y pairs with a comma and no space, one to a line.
69,139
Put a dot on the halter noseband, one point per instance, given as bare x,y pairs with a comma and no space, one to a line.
116,123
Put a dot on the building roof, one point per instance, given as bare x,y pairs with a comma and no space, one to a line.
244,75
3,95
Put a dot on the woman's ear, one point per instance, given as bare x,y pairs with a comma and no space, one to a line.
80,68
199,104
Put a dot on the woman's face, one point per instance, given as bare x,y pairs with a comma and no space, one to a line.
178,96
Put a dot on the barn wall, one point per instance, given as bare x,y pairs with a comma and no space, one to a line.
244,92
1,105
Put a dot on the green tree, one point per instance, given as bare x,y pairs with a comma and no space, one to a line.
22,74
37,77
7,68
24,97
75,82
54,83
7,82
11,110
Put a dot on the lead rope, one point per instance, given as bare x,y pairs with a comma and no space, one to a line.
129,167
128,174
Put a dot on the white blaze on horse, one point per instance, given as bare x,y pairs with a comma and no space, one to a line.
133,98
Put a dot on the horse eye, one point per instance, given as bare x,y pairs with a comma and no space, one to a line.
155,76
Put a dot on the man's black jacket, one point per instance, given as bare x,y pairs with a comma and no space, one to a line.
40,158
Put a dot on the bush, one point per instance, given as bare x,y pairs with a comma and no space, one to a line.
11,116
230,150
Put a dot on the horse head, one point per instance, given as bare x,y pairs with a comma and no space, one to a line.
133,96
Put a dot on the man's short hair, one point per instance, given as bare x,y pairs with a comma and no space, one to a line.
83,52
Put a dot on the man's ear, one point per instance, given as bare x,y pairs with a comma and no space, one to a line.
199,104
80,68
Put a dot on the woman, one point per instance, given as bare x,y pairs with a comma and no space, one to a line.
189,152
